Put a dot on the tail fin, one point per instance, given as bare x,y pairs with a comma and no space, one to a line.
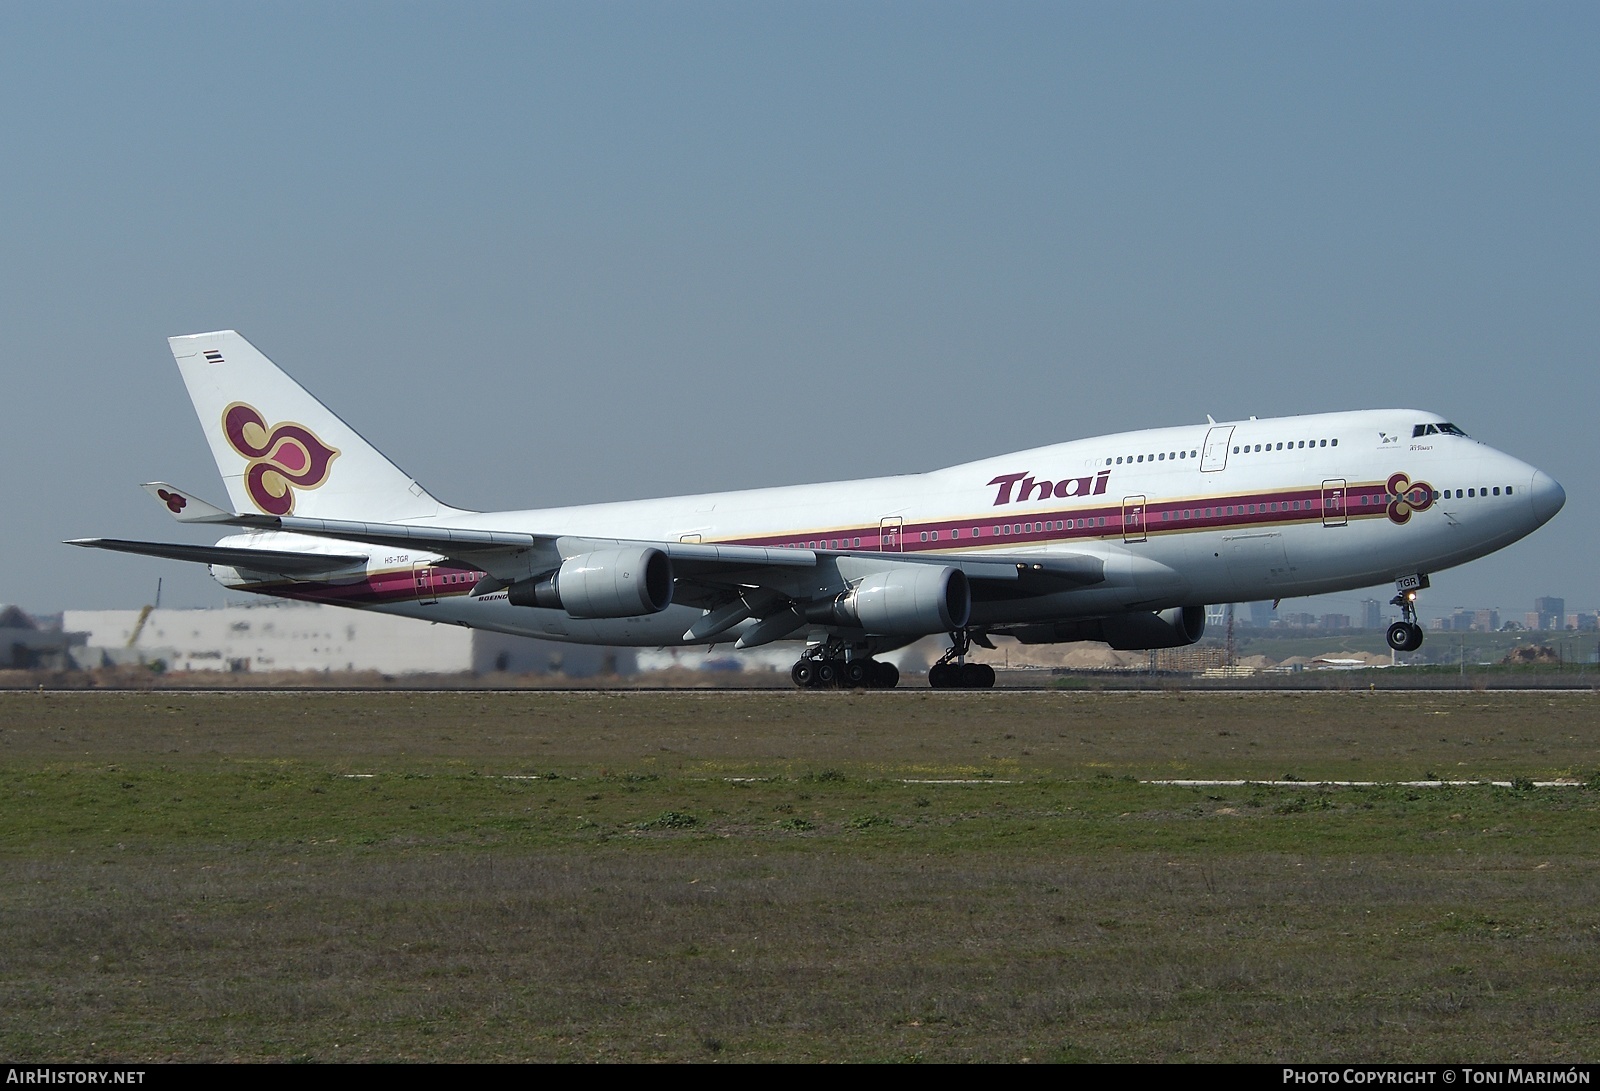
280,451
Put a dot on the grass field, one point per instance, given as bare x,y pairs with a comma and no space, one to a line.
807,876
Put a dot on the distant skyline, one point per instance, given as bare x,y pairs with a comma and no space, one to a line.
547,254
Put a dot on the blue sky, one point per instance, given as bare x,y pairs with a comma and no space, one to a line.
544,254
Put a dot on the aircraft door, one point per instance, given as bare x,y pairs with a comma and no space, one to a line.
889,534
1133,519
1215,454
1333,503
425,584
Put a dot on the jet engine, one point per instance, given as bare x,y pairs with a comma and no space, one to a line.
1139,631
602,584
907,600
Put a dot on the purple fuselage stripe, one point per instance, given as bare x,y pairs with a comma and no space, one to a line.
1364,501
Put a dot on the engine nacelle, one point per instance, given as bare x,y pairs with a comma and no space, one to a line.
907,600
605,583
1175,628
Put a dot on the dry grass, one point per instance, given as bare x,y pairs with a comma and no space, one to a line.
198,877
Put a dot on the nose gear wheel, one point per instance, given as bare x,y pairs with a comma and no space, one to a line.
1405,635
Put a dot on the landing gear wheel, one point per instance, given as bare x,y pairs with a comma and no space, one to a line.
1405,636
854,673
827,674
885,675
977,676
803,674
961,676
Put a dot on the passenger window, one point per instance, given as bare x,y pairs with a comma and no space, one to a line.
1508,490
1497,491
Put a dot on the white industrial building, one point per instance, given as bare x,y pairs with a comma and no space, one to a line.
279,635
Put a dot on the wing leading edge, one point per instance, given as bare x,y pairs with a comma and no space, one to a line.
782,590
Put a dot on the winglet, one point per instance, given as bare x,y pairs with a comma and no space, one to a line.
186,507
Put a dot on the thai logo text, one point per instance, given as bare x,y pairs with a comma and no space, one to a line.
1026,488
282,458
1407,496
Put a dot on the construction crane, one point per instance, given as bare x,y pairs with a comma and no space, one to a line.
144,616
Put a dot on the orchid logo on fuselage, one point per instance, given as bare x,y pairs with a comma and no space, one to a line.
1407,496
283,458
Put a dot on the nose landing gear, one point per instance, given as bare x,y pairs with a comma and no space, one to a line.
1405,635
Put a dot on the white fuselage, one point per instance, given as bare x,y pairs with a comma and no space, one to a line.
1182,516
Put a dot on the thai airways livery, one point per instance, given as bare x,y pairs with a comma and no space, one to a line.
1122,538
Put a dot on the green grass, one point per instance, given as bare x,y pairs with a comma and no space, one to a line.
771,876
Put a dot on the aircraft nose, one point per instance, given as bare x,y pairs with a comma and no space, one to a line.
1546,496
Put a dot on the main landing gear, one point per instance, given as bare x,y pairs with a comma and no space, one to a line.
954,672
1405,635
831,666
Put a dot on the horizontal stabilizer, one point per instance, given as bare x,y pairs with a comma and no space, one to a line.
186,507
257,560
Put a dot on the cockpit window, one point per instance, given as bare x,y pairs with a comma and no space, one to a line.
1436,429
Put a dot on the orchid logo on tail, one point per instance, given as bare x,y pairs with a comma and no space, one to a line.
282,458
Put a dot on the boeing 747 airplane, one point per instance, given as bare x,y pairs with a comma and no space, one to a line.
1122,538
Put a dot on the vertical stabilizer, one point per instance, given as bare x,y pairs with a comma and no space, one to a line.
280,451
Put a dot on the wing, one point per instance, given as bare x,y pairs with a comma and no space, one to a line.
283,562
784,589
